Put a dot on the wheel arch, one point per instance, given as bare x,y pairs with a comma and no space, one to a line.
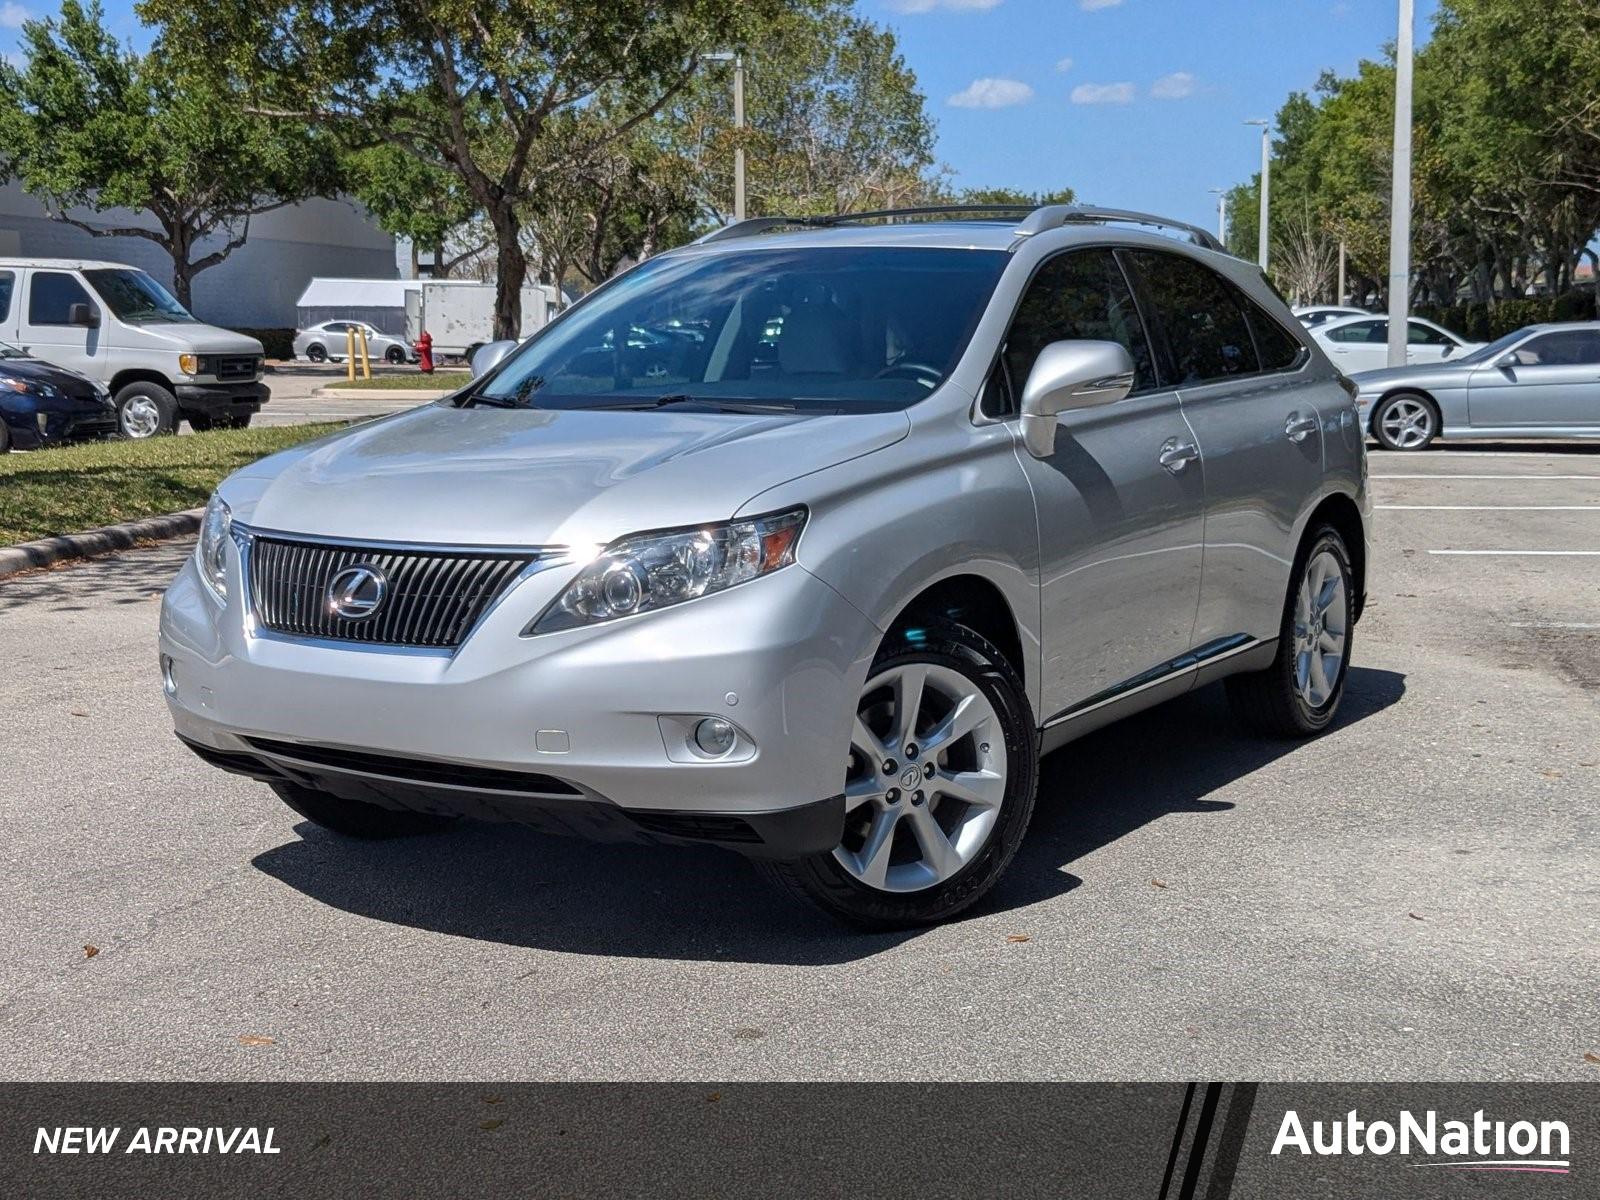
1411,389
973,601
1340,511
139,375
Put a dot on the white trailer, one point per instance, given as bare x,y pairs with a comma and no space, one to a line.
459,313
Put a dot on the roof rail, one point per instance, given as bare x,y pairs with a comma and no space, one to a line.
1035,219
1056,215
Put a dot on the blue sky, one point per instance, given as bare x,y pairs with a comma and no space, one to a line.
1132,103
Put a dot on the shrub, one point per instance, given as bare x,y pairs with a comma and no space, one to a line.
278,343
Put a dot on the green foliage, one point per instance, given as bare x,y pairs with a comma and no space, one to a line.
1002,195
85,122
1481,322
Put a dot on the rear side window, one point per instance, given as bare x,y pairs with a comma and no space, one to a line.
8,282
1278,349
50,295
1201,315
1362,332
1077,296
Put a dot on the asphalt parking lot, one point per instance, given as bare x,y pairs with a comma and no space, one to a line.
1412,897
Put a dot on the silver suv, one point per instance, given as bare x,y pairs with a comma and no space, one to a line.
805,540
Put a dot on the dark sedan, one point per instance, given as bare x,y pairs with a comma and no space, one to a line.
43,405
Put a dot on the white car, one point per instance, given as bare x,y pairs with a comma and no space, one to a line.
328,342
1319,314
1362,343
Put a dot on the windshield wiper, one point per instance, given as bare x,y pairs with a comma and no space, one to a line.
673,399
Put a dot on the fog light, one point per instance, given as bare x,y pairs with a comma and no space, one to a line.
715,737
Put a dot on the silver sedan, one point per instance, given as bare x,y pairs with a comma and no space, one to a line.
1542,381
328,342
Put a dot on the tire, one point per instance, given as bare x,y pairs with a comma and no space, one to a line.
1412,421
912,880
356,819
235,421
201,422
146,410
394,356
317,352
5,437
1277,702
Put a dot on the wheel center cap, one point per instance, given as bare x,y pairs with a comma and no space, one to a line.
910,777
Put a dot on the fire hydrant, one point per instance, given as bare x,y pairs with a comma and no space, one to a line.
424,349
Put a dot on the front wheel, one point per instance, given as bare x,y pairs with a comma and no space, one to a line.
1299,693
394,356
317,352
355,819
939,785
1405,422
145,410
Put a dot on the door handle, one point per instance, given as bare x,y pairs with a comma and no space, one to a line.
1176,455
1298,428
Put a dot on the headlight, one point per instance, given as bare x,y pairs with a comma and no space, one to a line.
211,554
656,570
189,364
31,387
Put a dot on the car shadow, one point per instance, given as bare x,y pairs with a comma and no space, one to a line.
513,886
135,576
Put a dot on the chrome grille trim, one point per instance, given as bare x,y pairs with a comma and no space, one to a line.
436,595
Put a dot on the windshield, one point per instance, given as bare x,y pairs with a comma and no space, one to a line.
134,296
1494,349
834,328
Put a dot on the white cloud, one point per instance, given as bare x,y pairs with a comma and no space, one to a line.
922,6
1103,93
1095,5
12,15
1180,85
992,93
1064,65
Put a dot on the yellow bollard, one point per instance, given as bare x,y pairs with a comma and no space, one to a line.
350,354
366,359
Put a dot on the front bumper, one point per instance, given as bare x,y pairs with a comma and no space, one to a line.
221,399
580,731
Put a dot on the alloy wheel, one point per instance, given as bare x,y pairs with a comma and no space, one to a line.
141,417
1408,423
1320,630
926,778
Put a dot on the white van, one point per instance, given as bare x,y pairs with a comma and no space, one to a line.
117,325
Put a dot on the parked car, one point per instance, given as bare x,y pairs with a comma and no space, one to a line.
1362,343
329,341
117,325
1320,314
1542,381
43,405
996,485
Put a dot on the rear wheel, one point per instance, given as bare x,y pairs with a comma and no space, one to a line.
939,785
1405,422
146,410
1299,693
317,352
394,356
353,818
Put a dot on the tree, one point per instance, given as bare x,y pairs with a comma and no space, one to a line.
1001,195
468,87
85,123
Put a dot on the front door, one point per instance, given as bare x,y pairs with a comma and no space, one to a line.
45,331
1550,379
1119,533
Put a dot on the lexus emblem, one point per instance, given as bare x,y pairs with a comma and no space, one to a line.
357,592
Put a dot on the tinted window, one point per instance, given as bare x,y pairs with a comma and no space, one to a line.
134,296
1419,334
1200,313
50,295
1278,349
1362,331
8,281
1575,348
1081,296
818,327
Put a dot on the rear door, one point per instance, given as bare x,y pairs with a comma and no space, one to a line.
1552,379
45,332
1358,346
1120,534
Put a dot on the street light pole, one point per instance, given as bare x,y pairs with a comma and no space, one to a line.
738,123
1400,204
1222,214
1262,255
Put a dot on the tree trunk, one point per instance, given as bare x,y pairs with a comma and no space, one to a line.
511,268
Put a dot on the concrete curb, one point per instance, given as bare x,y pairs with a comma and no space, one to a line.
93,542
402,397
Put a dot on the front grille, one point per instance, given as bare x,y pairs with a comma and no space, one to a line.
238,366
423,771
432,598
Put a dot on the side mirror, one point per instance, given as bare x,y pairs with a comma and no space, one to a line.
488,357
1068,376
83,314
1449,349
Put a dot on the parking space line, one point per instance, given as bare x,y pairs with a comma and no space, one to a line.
1523,553
1554,625
1489,507
1469,455
1437,476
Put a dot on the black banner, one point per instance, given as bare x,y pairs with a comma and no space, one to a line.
1150,1141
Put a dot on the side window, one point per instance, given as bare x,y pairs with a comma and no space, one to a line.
1200,314
1278,349
1361,332
1077,296
8,283
1418,334
50,295
1574,348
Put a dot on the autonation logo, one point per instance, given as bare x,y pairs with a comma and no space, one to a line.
1477,1145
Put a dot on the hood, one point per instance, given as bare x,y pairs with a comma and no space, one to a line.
487,476
191,337
1440,374
68,383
